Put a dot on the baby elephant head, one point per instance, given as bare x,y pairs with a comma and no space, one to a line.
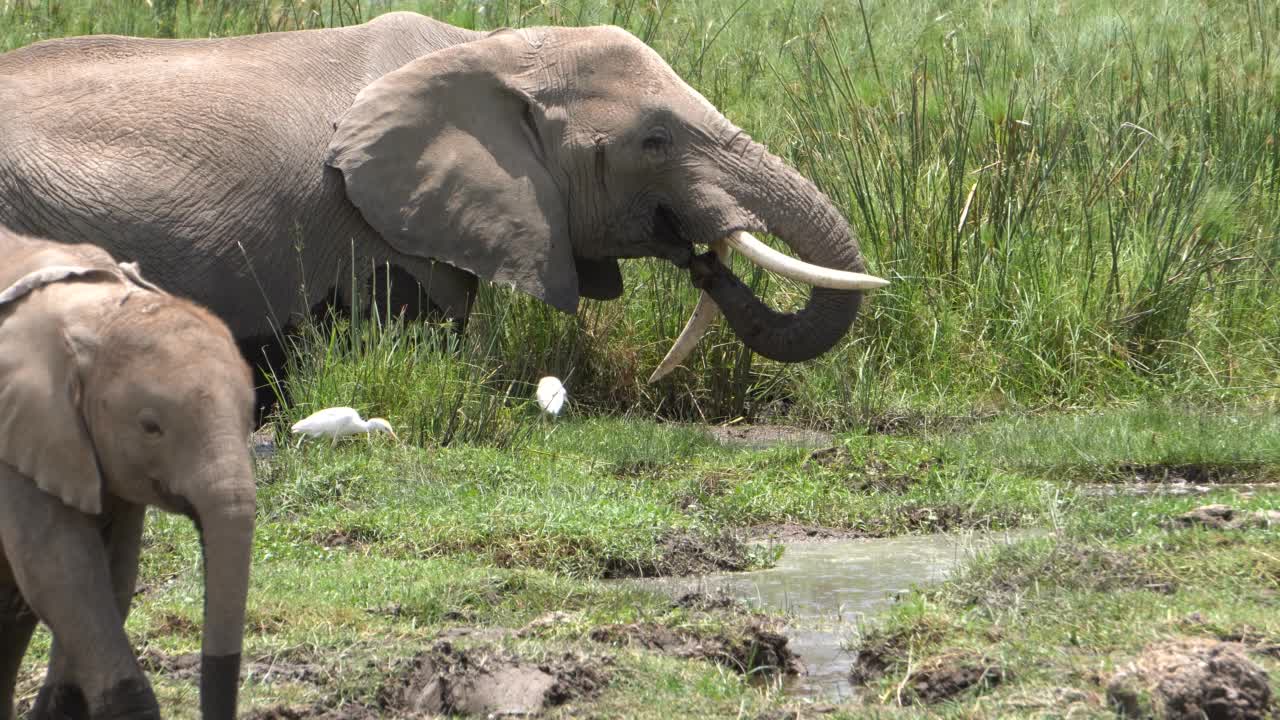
110,388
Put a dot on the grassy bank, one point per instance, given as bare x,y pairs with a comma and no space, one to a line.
369,554
1077,204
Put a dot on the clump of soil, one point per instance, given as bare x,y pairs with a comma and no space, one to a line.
487,681
682,552
753,647
947,677
1225,517
279,668
483,681
1191,679
880,651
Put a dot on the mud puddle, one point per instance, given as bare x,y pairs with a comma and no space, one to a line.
828,588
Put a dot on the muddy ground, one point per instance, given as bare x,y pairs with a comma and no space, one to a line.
484,681
472,671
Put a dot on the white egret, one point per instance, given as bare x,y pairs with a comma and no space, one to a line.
338,422
551,395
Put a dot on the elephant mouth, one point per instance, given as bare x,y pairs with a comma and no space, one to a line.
670,237
765,257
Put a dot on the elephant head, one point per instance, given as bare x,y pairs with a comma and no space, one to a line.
537,158
109,387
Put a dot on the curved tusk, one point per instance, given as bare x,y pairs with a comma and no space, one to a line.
704,313
799,270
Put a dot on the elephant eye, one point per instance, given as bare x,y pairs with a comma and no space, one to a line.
656,141
151,427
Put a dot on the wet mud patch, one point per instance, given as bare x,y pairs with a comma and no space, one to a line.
481,681
753,647
682,552
1191,679
765,436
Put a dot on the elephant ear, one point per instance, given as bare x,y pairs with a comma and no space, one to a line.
42,432
443,159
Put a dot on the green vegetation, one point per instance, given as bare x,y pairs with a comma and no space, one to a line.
1077,203
371,552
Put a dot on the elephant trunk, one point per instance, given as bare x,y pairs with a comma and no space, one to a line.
224,509
791,207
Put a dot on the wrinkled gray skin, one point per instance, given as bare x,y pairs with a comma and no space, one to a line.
534,158
113,397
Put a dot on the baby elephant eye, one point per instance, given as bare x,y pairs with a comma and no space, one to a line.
151,427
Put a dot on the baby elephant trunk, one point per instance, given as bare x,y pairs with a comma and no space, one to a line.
224,513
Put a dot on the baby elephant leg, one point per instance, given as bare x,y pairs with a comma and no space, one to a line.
60,563
16,624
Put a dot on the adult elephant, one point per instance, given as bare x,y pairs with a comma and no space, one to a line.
260,174
113,397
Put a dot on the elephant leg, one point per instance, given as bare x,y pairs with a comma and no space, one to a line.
124,543
17,622
424,290
266,355
61,566
59,697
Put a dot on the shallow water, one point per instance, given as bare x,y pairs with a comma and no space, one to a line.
829,587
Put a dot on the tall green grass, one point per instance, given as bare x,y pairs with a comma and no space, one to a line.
1078,203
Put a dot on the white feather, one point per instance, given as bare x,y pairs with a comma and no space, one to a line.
551,395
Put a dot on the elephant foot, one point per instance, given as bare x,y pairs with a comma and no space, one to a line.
62,701
129,699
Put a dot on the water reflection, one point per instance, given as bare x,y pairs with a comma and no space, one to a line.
828,587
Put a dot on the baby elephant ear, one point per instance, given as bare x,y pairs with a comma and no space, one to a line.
42,432
444,158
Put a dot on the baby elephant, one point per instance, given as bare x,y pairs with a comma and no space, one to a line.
113,396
